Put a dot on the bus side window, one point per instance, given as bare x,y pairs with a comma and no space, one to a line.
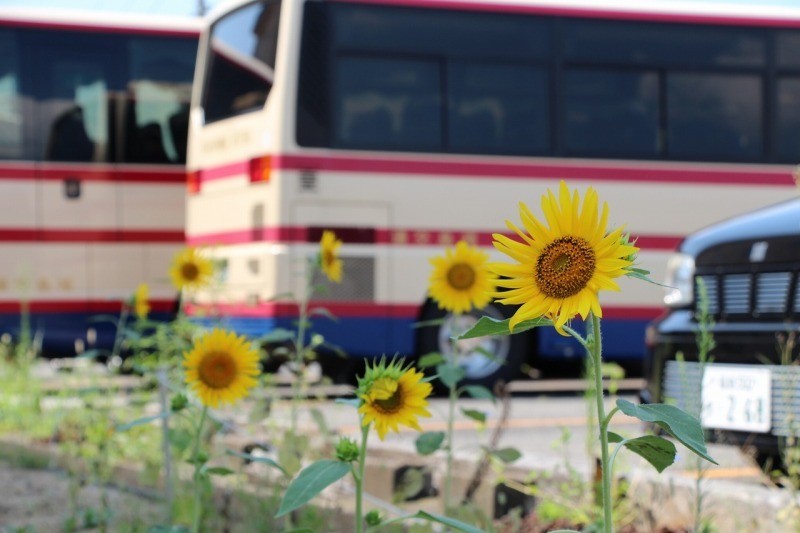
11,130
240,68
157,100
73,101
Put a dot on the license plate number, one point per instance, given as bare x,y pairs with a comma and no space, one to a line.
737,398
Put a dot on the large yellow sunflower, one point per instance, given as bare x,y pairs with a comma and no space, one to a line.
221,367
190,270
561,266
329,256
461,280
392,395
141,307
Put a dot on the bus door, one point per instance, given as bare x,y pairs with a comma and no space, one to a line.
78,74
363,325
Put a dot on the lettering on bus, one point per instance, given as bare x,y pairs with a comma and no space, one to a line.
227,141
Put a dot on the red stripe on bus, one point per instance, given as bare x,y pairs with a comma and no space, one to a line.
580,12
90,235
397,237
366,309
74,306
238,169
636,172
50,172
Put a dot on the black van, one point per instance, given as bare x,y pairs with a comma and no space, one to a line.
750,271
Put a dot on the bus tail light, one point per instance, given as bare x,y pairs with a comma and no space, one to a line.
260,168
193,182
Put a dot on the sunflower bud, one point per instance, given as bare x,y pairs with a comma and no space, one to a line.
179,403
347,450
373,518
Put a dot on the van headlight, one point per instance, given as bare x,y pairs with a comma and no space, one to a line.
679,281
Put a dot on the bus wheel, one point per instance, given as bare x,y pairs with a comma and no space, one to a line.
485,360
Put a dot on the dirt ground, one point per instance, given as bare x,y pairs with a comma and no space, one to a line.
38,501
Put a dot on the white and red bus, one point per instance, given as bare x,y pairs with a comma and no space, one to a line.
93,126
407,125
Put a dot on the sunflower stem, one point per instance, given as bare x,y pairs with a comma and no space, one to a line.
448,476
359,477
596,353
299,344
198,465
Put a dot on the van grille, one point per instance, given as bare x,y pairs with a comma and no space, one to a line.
743,296
683,385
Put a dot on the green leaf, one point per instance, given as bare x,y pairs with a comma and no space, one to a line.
311,481
141,421
682,426
474,414
507,455
452,522
450,374
429,442
256,459
658,451
277,335
218,471
429,360
491,326
480,392
614,437
167,529
429,323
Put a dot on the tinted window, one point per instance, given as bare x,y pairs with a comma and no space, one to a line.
78,75
787,43
441,32
388,103
241,60
714,115
11,125
788,120
667,44
611,112
498,108
157,99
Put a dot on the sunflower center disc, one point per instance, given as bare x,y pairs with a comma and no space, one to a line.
392,403
564,267
217,370
189,271
461,276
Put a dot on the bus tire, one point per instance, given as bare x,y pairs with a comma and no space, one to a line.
511,352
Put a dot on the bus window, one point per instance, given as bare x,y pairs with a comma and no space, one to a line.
241,61
157,106
498,108
11,137
714,114
392,103
611,112
74,98
649,44
788,118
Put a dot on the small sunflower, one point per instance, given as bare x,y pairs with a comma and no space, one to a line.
329,256
190,270
221,367
392,395
461,280
141,307
563,265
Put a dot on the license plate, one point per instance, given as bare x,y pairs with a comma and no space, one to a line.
737,397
